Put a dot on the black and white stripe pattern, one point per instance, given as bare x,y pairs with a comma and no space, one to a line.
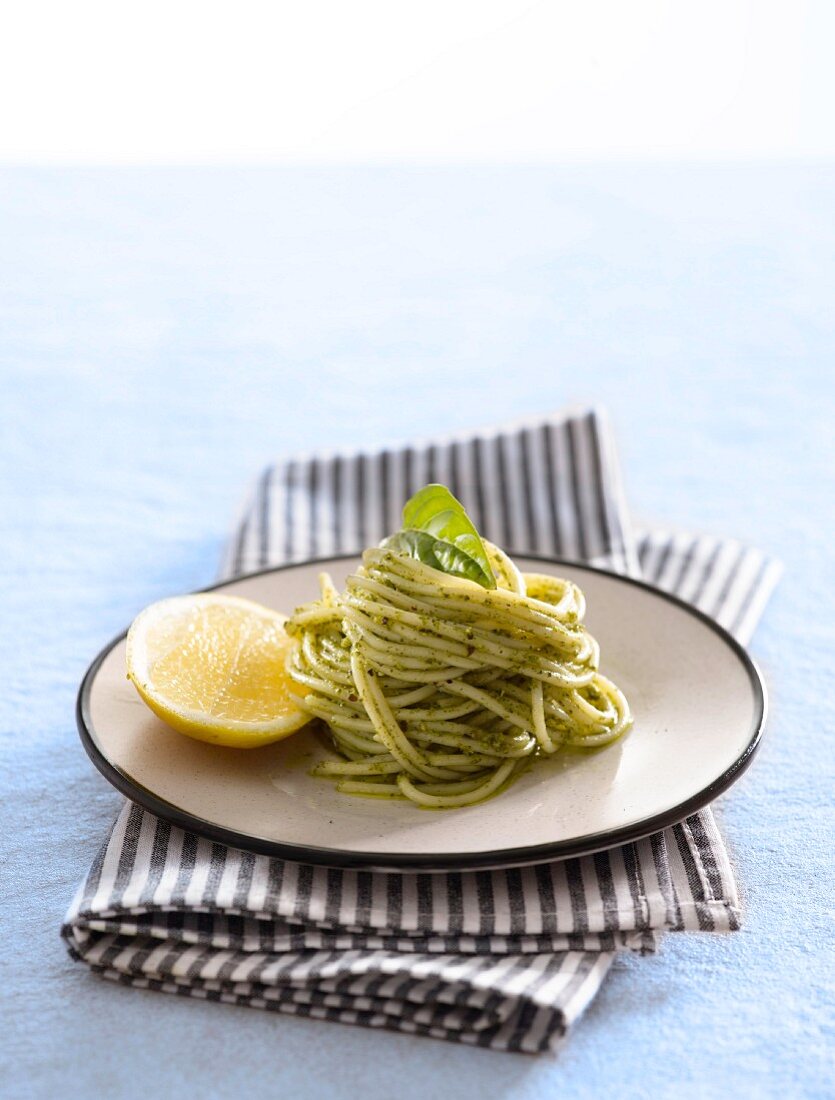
551,488
505,959
728,581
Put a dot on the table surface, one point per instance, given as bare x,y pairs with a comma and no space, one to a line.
163,333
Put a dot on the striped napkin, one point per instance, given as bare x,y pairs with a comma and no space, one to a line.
501,959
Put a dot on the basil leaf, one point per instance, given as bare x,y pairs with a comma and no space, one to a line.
434,511
438,554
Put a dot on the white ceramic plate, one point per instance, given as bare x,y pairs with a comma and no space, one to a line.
699,707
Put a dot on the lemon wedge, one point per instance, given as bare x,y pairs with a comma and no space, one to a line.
212,667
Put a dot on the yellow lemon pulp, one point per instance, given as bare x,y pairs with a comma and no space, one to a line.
212,667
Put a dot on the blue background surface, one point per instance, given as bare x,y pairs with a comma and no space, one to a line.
163,333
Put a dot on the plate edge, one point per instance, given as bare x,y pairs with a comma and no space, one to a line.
432,863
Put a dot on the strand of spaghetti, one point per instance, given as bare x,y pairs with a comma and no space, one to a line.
359,767
329,591
466,744
369,790
439,801
538,718
317,614
463,786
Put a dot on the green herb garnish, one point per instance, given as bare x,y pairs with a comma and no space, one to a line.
438,532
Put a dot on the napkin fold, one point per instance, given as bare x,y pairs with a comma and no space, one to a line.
505,959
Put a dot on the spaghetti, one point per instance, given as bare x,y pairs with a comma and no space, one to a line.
442,671
442,691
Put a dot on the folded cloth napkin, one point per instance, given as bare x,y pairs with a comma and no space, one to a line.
503,959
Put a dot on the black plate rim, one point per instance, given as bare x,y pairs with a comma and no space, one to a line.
500,857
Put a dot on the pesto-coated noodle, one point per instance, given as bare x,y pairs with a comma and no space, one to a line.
441,691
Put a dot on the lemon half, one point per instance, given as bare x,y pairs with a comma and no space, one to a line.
212,667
